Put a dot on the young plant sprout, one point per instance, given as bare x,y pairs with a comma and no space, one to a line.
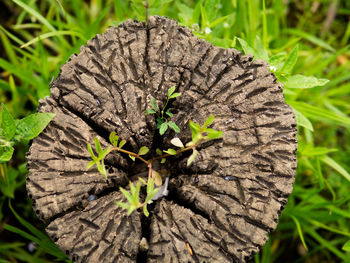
155,178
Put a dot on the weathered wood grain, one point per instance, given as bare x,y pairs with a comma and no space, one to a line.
222,207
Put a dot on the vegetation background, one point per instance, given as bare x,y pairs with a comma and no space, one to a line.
297,37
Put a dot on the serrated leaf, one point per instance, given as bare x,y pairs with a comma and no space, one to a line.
91,152
150,111
132,157
126,194
303,82
170,151
192,157
163,128
154,104
174,126
90,164
32,125
6,154
122,143
208,121
132,191
177,142
143,150
213,134
171,91
123,205
150,186
113,138
159,151
97,145
8,124
177,94
163,160
290,61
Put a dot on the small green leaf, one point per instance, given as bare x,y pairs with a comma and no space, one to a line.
177,142
303,82
163,128
150,111
208,121
175,95
32,125
126,194
8,124
101,168
163,160
160,121
213,134
145,211
170,151
97,145
154,104
123,205
171,91
90,164
174,126
103,154
195,128
143,150
132,157
159,151
142,181
91,152
302,120
121,144
169,113
130,210
113,138
192,157
6,154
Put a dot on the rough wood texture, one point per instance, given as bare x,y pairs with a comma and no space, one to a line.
218,210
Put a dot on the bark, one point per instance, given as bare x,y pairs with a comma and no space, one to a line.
222,207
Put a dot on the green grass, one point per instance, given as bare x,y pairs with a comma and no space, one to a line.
37,37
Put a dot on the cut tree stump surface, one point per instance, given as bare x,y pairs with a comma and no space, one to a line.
222,207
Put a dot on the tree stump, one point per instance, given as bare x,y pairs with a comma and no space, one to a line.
222,207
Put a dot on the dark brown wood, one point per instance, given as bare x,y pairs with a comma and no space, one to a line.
222,207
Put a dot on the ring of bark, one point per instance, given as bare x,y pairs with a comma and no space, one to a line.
218,210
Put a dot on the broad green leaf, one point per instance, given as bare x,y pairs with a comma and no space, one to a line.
6,154
174,126
302,120
246,48
171,91
346,246
143,150
32,125
303,82
98,146
177,142
177,94
290,61
208,121
8,124
170,151
90,164
159,151
192,157
213,134
163,128
132,157
150,111
154,104
91,152
122,143
113,138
